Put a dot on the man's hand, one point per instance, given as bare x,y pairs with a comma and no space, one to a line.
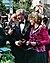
18,43
23,41
27,43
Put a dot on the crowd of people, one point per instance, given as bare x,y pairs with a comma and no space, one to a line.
27,34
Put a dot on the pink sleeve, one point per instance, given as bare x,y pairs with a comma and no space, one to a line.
45,36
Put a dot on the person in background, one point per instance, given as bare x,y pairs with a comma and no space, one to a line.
13,21
38,39
11,25
2,36
9,17
45,20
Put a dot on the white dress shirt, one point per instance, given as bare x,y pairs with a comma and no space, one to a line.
22,25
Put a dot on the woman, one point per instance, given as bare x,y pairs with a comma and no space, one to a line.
45,20
38,39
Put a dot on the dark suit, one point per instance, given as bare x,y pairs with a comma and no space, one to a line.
2,37
17,35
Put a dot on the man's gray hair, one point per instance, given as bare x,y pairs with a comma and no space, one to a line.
21,11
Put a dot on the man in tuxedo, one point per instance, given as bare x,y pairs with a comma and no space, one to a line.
19,36
23,26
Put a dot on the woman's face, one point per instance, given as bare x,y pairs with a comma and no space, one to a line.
32,21
14,19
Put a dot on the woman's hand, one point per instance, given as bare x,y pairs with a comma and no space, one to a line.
33,43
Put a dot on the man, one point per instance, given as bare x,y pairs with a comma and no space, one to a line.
23,25
2,36
19,36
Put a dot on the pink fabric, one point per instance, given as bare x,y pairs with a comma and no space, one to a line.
41,35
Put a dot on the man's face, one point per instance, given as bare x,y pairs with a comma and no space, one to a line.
20,17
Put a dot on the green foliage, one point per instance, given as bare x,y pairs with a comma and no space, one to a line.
7,58
2,6
23,4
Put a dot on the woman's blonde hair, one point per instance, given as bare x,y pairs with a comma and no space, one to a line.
34,16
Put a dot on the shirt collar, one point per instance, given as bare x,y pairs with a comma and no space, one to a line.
24,21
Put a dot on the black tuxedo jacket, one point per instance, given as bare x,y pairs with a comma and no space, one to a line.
19,52
25,33
2,37
17,35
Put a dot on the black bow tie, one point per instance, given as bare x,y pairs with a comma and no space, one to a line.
21,22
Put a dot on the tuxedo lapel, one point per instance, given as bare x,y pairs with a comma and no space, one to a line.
25,32
18,32
27,24
19,28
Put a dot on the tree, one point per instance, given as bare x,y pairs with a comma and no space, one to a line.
2,6
16,1
23,4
